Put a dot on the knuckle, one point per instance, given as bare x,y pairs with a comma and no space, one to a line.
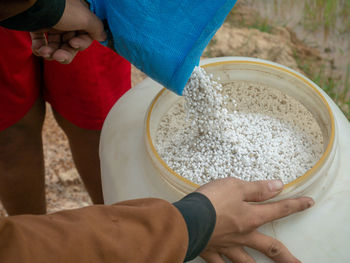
260,194
255,221
243,230
303,204
287,208
241,226
274,249
238,255
233,182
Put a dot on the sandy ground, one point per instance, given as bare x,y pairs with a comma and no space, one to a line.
64,188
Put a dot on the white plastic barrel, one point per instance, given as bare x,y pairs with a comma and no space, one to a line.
131,167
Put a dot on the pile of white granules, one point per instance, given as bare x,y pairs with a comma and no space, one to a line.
260,134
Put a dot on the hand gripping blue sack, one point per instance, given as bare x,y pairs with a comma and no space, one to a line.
163,38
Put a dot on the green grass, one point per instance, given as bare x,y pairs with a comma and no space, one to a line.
345,95
263,25
332,87
256,21
338,90
326,13
318,14
345,14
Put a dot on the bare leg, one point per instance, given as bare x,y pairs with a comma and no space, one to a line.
84,145
22,180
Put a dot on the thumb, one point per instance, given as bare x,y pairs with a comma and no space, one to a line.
78,17
95,28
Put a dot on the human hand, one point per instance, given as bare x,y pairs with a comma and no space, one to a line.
74,32
238,217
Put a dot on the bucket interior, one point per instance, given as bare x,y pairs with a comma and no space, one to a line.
271,75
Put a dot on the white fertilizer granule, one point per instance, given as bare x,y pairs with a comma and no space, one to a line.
260,134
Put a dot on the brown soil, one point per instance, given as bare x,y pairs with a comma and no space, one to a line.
238,37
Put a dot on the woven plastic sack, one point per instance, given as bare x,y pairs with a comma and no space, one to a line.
163,38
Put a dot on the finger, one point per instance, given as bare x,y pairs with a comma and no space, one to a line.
53,43
65,54
68,36
261,190
264,213
81,41
95,28
237,255
54,40
38,41
271,247
212,257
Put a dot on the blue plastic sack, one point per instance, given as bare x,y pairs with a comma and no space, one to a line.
163,38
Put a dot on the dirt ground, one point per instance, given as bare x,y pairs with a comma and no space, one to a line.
64,188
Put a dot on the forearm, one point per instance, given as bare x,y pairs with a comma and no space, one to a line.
10,8
145,230
30,15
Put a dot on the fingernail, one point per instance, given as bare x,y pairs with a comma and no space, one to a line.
275,185
311,203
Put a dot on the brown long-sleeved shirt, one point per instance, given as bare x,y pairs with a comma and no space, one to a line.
144,230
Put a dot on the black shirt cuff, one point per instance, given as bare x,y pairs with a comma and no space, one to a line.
43,14
200,217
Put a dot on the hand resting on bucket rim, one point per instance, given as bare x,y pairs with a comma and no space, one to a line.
238,216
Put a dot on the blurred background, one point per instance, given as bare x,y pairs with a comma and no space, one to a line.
310,36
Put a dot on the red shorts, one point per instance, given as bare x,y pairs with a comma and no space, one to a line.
83,92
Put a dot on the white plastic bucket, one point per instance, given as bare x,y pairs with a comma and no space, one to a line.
131,169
